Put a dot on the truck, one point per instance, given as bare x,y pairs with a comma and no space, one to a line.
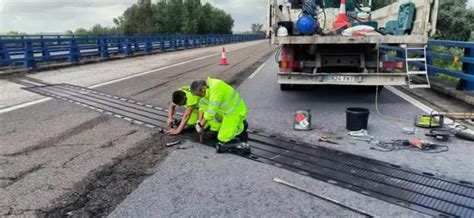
338,42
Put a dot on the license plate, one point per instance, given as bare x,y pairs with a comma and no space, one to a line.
339,78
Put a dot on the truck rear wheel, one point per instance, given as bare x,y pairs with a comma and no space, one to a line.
285,87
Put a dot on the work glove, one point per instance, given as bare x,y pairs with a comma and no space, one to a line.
199,128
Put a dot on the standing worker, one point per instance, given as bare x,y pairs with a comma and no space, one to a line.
223,103
182,97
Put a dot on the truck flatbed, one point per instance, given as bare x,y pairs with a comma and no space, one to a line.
407,39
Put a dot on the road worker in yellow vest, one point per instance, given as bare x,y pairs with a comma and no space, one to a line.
224,111
182,97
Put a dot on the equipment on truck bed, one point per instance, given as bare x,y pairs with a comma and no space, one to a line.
312,56
404,23
341,21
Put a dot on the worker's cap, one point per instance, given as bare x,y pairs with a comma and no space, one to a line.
196,86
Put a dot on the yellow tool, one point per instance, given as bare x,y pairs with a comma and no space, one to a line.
430,121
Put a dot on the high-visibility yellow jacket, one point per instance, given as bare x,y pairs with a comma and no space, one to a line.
191,100
222,99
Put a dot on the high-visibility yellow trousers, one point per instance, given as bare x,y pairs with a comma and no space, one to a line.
231,126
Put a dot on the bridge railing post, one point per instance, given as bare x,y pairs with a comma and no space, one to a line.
162,44
104,48
468,68
136,43
173,42
186,41
181,41
119,45
429,61
74,52
193,41
128,47
148,45
45,55
29,55
4,54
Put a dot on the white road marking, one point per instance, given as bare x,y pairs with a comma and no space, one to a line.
256,71
27,104
416,103
151,71
411,100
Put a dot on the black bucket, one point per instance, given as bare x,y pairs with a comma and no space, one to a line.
357,118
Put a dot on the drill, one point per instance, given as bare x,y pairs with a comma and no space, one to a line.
422,144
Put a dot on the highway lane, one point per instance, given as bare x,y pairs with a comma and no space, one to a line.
54,156
197,182
328,105
51,147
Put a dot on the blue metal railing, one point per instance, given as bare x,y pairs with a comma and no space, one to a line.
32,50
467,73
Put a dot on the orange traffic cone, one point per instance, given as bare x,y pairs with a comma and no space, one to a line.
341,17
223,58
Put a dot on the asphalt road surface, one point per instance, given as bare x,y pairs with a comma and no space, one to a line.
59,159
197,182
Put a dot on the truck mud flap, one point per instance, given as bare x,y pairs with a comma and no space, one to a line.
421,191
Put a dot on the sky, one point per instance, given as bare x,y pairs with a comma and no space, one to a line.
57,16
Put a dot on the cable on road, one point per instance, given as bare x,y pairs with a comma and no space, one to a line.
397,145
377,91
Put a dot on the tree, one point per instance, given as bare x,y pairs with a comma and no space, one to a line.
98,30
81,31
15,33
257,28
174,17
381,3
455,21
136,20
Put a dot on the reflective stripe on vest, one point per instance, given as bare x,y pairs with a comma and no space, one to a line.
233,98
203,102
230,99
228,106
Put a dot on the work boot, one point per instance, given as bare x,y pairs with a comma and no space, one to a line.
244,136
241,148
244,148
222,147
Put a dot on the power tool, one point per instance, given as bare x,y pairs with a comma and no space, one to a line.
422,144
439,135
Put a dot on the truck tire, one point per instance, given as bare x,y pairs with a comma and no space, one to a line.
285,87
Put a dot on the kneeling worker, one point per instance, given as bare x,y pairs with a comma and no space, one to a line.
182,97
223,101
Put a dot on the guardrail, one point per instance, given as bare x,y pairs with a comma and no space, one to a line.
466,75
29,51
